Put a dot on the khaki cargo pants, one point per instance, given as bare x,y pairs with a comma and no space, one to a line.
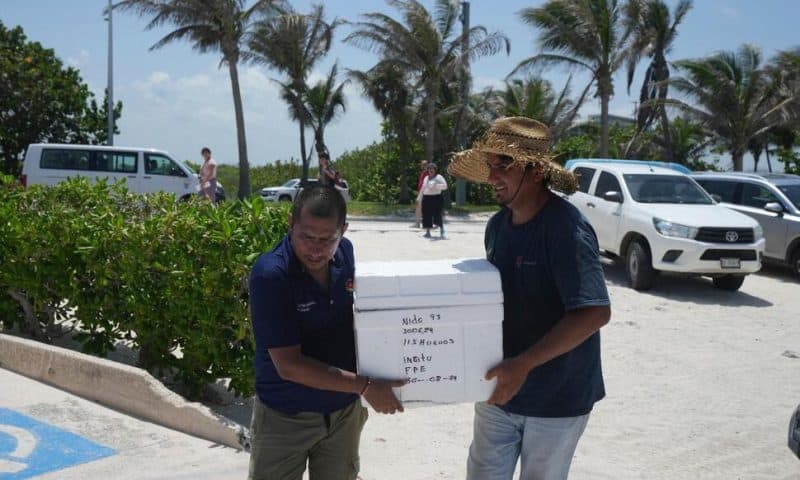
282,444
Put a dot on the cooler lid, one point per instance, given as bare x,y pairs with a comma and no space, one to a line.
426,283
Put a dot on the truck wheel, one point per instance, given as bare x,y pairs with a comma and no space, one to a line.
728,282
284,198
639,266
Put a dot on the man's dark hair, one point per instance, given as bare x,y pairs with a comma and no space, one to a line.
321,201
205,149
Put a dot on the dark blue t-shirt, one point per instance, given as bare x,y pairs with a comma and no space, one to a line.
549,266
288,307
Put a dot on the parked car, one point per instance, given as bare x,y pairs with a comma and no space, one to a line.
287,191
658,219
145,170
675,166
773,199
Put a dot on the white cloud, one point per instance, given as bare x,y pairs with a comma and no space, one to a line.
182,113
81,60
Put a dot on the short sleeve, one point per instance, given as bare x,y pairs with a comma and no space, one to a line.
275,322
575,263
490,235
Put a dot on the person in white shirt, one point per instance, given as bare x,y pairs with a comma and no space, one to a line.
208,175
432,201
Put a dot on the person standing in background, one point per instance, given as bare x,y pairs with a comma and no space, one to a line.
327,174
208,175
432,201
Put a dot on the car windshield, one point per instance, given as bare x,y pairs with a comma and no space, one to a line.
647,188
290,183
793,192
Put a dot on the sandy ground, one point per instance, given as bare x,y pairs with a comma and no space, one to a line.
701,382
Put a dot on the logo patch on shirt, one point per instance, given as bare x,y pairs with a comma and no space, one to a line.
305,307
522,262
348,285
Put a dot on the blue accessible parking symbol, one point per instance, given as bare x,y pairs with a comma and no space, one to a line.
29,447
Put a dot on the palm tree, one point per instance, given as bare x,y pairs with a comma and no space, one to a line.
293,44
653,32
733,97
426,47
689,142
535,98
785,68
385,84
323,102
212,26
586,34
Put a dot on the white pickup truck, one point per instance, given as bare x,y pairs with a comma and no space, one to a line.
659,219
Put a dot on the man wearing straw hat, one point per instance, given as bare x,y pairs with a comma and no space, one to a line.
554,303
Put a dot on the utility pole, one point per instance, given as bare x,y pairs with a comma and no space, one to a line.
461,185
110,89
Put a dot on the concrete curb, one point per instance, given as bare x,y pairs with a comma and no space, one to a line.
121,387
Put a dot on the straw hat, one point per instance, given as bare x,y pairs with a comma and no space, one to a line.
525,140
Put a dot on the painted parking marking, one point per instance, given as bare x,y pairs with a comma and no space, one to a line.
29,447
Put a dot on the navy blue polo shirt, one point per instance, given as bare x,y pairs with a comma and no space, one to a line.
288,307
549,266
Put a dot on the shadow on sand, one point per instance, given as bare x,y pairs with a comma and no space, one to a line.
684,288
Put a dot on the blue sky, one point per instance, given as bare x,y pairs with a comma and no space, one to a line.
178,100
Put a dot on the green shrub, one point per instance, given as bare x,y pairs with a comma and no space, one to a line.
171,277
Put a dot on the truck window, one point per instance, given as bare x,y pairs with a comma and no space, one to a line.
607,183
584,175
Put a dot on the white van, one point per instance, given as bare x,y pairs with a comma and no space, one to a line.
145,170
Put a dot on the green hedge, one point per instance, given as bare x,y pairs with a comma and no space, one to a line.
169,277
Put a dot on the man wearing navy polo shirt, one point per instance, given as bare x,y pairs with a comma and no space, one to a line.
306,410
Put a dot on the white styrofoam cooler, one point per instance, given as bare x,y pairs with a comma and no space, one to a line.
437,323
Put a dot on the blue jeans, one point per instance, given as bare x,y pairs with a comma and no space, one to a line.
546,445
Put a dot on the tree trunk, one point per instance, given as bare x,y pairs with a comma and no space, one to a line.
402,140
604,97
319,141
244,165
304,180
738,163
769,162
669,156
430,124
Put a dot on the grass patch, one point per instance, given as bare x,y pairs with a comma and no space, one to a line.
377,209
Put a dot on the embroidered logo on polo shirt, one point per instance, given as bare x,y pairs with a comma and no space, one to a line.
348,285
305,307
